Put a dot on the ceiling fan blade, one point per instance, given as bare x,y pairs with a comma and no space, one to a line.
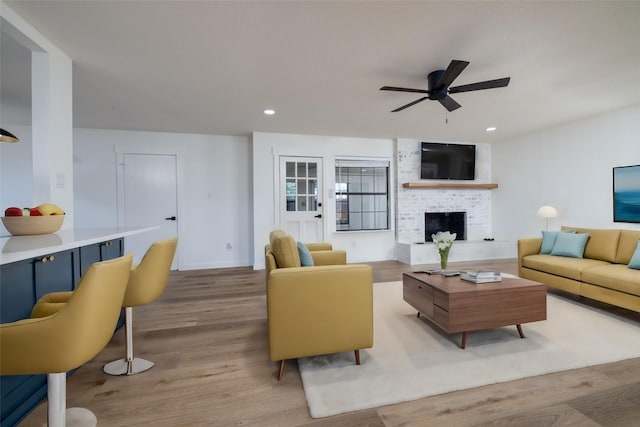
403,89
453,70
489,84
449,103
409,104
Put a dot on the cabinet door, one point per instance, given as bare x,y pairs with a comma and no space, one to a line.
88,255
56,272
17,291
100,252
111,249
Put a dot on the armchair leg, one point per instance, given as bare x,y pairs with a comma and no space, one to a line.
281,370
357,353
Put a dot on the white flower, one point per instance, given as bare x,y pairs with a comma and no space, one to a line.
443,240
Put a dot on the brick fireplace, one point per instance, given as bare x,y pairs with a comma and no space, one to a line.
412,203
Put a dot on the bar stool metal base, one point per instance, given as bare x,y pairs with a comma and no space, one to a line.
126,367
58,415
80,417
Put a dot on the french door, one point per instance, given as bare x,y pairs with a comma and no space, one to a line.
300,186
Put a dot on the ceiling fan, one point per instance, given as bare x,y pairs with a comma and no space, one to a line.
438,89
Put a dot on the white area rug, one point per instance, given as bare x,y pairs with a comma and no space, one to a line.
412,359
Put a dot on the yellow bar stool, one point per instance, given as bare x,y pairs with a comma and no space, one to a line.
74,334
146,283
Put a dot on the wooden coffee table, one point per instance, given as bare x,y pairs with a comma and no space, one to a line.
455,305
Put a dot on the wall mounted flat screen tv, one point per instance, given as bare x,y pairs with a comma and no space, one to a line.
447,161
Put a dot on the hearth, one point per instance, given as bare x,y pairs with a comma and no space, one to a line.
455,222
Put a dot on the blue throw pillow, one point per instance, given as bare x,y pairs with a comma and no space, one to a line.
549,240
635,259
306,260
570,245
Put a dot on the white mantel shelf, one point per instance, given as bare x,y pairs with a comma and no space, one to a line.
436,185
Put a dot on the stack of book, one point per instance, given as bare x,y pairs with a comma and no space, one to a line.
481,276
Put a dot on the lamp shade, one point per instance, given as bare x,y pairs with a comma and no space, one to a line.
547,212
6,136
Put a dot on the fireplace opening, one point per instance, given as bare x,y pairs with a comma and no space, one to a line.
454,222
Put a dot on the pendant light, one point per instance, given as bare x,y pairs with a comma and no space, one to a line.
6,136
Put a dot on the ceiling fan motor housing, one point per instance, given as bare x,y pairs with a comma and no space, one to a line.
432,79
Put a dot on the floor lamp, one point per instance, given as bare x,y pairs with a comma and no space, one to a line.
547,212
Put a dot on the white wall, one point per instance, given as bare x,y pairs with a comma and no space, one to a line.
267,149
568,167
50,135
214,200
16,177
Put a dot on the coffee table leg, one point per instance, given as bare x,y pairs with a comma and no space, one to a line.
463,344
520,331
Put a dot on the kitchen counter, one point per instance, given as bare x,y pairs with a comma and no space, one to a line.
18,248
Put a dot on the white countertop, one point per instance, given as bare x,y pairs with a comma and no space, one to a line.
18,248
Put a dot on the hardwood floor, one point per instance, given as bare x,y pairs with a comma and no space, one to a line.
207,335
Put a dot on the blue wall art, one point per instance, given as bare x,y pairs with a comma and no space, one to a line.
626,194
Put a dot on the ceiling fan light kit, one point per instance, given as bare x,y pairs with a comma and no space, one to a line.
438,89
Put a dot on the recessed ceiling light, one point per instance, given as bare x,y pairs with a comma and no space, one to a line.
491,129
269,112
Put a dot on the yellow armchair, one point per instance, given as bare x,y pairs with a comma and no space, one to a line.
316,310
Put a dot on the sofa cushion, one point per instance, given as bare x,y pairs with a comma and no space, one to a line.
602,243
570,245
305,256
549,240
627,245
284,249
560,266
634,263
614,276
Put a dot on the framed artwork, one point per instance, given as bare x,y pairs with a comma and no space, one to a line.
626,194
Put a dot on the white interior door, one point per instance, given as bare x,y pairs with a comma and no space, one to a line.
147,196
301,198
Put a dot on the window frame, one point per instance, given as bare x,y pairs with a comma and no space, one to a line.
364,189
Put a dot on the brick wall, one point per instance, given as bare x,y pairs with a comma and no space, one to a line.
411,204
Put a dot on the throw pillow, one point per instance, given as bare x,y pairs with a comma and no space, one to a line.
306,260
635,259
570,245
549,240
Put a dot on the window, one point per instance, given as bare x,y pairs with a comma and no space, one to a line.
302,186
362,195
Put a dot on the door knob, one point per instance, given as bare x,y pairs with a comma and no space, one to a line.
171,218
318,216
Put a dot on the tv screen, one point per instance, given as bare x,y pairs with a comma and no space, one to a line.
447,161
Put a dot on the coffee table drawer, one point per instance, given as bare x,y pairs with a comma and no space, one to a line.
419,295
441,318
441,299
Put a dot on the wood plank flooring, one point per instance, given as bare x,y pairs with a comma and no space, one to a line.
207,335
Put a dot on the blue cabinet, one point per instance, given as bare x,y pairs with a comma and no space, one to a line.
108,249
22,283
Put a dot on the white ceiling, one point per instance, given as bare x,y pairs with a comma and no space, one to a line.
212,67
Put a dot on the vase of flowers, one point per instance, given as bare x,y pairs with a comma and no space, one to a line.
444,241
